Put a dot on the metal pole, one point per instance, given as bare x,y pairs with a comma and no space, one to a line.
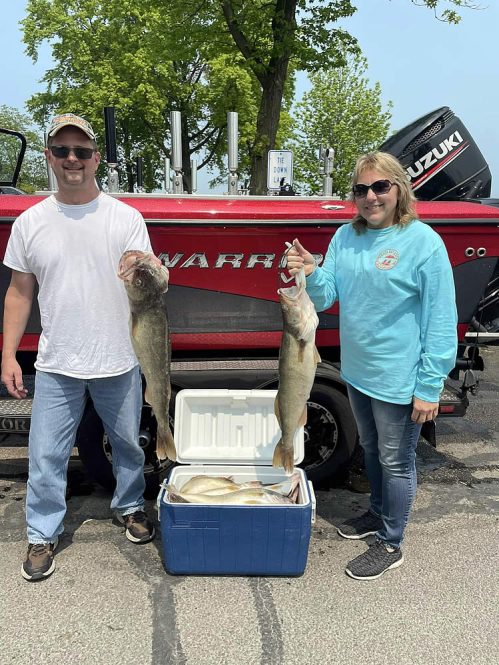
194,175
167,175
176,151
140,174
327,181
51,179
232,139
111,154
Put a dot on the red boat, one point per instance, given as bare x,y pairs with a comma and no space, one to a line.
225,256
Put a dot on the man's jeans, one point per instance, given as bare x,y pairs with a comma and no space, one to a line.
389,439
58,406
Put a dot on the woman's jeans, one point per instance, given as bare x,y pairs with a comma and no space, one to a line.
58,406
389,439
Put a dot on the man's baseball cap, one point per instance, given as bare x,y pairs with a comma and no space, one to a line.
70,120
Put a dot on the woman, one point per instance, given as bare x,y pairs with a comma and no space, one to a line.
391,275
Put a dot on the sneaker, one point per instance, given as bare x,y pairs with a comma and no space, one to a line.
138,528
379,558
39,562
359,527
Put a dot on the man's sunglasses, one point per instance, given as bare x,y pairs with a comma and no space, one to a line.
378,187
62,152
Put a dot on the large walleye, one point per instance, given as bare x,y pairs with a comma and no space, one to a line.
217,485
146,282
298,358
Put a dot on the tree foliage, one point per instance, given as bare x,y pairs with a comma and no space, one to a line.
33,175
341,111
146,61
279,36
200,57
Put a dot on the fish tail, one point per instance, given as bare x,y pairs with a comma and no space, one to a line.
165,445
173,496
283,457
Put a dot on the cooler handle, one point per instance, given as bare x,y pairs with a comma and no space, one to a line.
313,501
162,489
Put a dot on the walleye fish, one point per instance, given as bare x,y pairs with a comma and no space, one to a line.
146,282
217,485
201,484
298,358
249,496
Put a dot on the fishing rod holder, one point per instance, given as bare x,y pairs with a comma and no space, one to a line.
232,132
113,181
176,151
326,159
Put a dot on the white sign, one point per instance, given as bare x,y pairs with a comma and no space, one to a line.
280,169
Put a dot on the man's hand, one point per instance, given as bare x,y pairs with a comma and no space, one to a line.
12,378
423,411
298,257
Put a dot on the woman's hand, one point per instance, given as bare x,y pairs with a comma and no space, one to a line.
423,411
298,257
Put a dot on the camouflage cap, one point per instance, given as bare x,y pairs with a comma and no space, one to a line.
70,119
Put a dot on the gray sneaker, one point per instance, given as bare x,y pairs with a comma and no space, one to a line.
39,562
360,527
138,528
379,558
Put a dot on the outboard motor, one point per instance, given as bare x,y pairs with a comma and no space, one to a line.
441,158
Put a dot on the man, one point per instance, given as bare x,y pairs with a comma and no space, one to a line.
71,243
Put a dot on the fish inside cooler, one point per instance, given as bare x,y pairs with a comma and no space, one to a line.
267,476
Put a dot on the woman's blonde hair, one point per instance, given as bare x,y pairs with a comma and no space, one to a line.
390,167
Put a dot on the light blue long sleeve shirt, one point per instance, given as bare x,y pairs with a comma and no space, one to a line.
397,309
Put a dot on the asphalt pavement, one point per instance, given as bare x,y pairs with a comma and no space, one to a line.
111,602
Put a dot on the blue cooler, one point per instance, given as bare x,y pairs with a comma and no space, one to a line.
233,433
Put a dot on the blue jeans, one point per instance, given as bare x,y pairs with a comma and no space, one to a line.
58,406
389,439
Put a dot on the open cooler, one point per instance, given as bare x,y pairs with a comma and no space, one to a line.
233,433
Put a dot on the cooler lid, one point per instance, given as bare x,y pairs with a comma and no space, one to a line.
229,426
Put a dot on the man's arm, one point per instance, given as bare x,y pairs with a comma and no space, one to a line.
17,308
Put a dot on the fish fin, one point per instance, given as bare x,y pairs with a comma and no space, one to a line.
294,495
317,357
276,411
276,459
134,319
303,418
173,496
295,483
146,396
283,457
165,445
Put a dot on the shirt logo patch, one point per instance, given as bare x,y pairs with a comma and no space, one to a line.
387,259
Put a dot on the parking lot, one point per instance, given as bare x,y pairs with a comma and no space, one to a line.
111,602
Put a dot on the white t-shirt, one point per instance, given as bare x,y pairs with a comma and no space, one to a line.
74,251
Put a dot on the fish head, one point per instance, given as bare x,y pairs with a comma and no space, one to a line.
298,311
143,274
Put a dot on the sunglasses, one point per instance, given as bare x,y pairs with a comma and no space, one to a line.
378,187
62,152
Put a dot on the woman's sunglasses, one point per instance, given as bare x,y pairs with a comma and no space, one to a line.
62,152
378,187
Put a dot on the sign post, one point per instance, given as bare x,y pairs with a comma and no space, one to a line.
280,169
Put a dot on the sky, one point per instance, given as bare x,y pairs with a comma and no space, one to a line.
421,64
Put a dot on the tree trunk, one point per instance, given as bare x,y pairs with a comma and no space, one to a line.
267,126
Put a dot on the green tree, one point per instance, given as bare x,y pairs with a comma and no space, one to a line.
33,174
145,61
158,55
341,111
280,36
